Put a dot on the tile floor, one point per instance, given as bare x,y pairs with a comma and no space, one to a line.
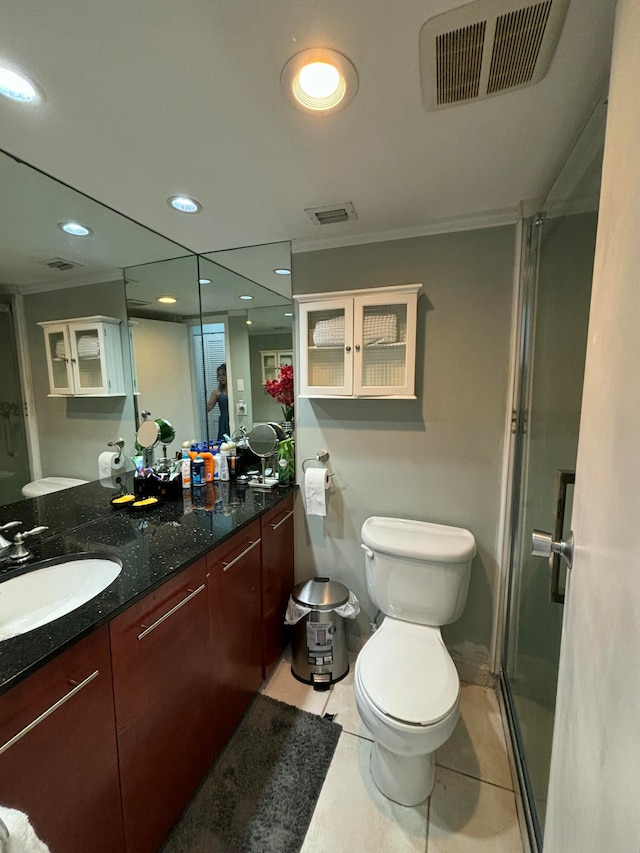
471,810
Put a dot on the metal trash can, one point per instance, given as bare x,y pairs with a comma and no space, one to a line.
319,645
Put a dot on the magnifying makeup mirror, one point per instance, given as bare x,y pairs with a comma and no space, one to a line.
152,433
263,441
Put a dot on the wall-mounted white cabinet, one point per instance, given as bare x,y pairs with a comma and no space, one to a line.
84,357
270,361
359,343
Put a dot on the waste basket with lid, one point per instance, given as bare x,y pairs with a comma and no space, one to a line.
319,646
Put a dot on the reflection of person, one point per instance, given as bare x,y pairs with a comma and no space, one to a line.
219,396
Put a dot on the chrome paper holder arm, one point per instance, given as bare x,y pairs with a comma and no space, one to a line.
321,456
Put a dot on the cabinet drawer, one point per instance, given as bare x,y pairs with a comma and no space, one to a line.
58,756
277,580
231,554
277,515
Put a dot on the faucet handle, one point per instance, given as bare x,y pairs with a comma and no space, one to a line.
20,553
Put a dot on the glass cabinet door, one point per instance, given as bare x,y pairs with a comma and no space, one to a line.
384,345
59,360
326,351
88,359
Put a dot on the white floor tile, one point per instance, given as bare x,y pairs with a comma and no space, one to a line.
342,703
477,747
285,688
351,814
470,816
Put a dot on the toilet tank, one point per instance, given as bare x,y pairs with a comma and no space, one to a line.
416,570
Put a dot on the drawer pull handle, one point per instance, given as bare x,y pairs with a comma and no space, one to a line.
48,712
148,629
282,520
227,566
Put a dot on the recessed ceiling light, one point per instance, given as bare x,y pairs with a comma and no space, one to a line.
319,81
76,229
288,313
282,271
18,87
166,300
246,297
184,204
204,281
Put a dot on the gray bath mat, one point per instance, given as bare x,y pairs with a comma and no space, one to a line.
261,792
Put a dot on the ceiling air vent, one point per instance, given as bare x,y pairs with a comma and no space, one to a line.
487,48
61,264
331,213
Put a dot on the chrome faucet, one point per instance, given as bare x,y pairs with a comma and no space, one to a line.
20,554
5,544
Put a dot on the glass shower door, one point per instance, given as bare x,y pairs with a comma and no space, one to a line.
561,246
14,462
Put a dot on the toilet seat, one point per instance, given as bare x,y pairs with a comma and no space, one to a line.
406,673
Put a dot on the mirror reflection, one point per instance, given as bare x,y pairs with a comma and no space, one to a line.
202,360
87,346
67,387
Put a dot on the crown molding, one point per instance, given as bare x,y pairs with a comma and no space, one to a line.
465,222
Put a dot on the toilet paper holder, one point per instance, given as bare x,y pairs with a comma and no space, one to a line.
119,443
321,456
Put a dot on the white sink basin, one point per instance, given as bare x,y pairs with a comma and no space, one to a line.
41,595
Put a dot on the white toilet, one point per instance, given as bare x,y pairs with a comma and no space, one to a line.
406,685
47,485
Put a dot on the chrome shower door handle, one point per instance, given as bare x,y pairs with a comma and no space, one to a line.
552,545
544,545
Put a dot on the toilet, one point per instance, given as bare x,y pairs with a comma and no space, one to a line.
47,485
406,686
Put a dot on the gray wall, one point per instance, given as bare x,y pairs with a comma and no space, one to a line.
438,458
74,430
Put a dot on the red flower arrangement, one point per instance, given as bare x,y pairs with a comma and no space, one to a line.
281,389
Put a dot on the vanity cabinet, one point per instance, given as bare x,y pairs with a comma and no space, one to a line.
84,357
270,361
235,607
162,704
277,580
58,755
359,343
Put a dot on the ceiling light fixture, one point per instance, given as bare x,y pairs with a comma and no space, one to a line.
246,297
166,300
282,271
184,204
18,87
288,313
76,229
204,281
249,322
319,81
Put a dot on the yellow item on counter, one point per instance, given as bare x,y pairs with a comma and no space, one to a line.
123,499
145,502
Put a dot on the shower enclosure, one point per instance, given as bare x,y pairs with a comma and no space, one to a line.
14,462
557,268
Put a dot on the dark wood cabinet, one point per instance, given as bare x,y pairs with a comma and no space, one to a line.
58,756
277,580
162,702
234,591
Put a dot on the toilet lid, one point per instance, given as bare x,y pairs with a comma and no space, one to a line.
407,673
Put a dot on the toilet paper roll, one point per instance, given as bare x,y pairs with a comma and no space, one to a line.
107,464
316,483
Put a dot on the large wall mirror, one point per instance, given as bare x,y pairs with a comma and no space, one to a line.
203,354
66,300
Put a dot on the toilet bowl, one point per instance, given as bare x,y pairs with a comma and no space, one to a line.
406,685
47,485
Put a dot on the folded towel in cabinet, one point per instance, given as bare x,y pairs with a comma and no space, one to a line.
88,346
380,329
329,333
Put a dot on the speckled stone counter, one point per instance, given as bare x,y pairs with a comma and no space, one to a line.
152,546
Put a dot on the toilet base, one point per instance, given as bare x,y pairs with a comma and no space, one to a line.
405,779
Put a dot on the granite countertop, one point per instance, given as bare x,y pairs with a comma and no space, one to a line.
152,546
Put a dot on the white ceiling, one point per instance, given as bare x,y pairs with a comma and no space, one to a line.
151,99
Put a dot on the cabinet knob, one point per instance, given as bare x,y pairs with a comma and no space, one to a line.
357,347
347,349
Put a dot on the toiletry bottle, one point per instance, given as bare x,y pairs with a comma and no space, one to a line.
197,472
186,471
209,467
